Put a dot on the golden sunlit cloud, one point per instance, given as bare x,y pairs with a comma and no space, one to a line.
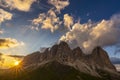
59,4
22,5
68,20
48,21
4,15
6,43
90,34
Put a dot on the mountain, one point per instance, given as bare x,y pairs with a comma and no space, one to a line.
60,62
63,54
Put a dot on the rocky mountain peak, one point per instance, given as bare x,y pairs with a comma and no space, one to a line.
77,53
77,50
97,50
62,53
62,43
100,58
64,47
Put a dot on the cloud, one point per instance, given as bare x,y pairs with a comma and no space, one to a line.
90,35
117,67
68,20
4,15
22,5
1,31
87,35
59,4
6,43
47,20
50,20
39,20
17,56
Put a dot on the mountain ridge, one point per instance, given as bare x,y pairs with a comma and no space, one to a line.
62,53
60,62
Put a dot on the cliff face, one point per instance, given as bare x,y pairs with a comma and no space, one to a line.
62,53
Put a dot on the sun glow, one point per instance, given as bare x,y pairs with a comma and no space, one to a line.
8,61
16,63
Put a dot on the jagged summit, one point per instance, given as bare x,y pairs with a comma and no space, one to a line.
77,52
62,43
100,59
63,54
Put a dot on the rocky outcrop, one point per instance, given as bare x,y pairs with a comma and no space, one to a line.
62,53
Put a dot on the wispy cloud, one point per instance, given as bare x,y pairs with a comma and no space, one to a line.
6,43
4,15
22,5
90,35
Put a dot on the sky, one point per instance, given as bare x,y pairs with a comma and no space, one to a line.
29,25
